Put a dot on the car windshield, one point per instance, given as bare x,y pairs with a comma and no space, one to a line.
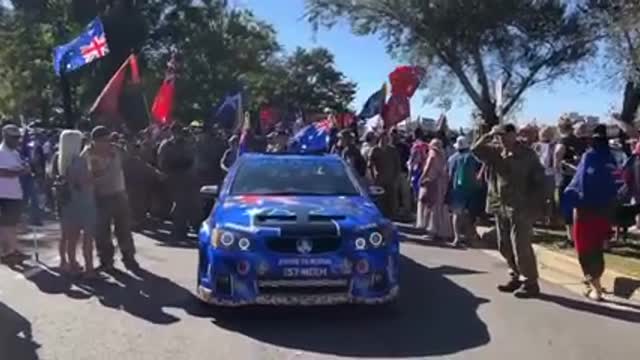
286,176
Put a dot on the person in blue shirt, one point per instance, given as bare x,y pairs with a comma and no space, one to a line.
465,187
592,194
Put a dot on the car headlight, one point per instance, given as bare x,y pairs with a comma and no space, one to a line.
361,243
376,239
229,240
244,244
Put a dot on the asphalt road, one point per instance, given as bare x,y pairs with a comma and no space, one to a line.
448,309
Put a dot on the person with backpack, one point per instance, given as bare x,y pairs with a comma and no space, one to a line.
465,197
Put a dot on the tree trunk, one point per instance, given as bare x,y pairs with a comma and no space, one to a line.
489,115
630,103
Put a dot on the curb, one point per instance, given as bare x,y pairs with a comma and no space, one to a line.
569,266
565,270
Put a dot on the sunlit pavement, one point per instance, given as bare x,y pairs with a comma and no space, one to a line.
448,309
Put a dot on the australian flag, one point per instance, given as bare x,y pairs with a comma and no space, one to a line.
228,112
313,138
86,48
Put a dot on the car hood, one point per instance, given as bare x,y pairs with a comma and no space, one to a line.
294,214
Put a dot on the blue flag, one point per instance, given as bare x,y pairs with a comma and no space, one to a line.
91,45
374,104
313,138
228,111
594,184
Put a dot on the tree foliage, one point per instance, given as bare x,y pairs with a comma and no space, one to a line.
221,48
476,42
619,23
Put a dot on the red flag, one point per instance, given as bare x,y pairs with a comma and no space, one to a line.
396,110
108,102
163,103
268,117
405,80
345,120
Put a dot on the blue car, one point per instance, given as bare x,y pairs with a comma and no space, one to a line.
296,230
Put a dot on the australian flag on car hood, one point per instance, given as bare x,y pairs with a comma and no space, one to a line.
315,137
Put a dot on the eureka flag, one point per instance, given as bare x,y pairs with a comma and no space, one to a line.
86,48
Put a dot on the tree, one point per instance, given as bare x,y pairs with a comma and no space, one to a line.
620,29
307,81
477,42
221,48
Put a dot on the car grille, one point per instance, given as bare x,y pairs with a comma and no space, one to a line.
288,245
303,287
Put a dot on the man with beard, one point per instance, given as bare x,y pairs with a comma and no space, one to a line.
106,166
386,168
176,159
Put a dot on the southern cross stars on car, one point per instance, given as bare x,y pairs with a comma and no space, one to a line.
296,230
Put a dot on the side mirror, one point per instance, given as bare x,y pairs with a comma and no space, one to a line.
376,190
209,191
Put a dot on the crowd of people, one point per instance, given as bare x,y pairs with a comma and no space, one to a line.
101,182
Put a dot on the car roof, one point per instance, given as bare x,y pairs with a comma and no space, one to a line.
290,156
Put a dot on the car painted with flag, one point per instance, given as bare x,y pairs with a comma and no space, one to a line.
296,230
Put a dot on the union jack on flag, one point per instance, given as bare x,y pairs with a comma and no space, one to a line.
86,48
314,137
96,49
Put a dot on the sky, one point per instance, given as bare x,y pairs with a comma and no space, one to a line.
365,61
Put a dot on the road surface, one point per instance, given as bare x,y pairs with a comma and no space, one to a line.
449,309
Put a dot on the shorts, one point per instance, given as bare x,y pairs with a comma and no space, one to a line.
10,212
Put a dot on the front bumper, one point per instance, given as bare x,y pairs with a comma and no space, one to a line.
207,296
343,282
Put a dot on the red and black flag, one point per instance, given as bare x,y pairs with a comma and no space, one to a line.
163,102
122,100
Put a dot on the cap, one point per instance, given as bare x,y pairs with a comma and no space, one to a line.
10,130
461,143
99,132
503,129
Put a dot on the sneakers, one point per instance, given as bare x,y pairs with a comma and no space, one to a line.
513,285
521,290
528,291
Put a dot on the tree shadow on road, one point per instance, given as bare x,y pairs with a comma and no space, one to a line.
433,316
601,309
16,339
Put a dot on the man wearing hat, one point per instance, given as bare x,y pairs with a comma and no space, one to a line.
515,197
347,149
11,168
106,165
464,192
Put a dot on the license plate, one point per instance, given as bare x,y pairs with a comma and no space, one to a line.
314,272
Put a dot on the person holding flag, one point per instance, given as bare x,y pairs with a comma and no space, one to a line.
176,159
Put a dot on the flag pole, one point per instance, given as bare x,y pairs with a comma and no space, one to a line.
65,88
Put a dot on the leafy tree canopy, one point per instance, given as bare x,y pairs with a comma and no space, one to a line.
221,49
471,44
